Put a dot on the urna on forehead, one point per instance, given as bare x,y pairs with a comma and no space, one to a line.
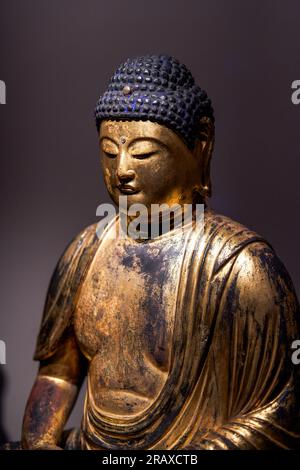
156,88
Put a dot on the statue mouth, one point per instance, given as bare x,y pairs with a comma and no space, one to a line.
127,189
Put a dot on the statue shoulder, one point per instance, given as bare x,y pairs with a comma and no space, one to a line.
252,262
225,238
64,285
265,276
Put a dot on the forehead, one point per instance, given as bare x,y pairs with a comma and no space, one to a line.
137,129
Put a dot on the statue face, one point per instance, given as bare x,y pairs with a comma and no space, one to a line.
148,163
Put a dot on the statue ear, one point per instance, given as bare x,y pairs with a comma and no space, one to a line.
203,152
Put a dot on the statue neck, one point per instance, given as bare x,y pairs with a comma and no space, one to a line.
162,223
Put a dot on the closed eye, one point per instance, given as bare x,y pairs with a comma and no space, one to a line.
109,155
141,156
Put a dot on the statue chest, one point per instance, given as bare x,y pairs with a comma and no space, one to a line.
125,315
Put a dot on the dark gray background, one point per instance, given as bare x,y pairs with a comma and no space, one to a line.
56,58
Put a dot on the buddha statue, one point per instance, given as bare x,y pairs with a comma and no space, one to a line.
184,337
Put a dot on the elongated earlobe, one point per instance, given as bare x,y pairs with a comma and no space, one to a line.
203,152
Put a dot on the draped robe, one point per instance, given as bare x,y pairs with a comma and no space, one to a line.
232,383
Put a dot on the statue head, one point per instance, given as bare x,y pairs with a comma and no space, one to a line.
156,129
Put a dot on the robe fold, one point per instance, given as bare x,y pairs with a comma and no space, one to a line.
232,383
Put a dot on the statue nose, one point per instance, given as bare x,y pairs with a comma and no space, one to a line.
125,176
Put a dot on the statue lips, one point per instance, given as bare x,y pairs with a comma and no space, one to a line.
127,189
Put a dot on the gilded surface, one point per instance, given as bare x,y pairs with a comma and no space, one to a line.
185,339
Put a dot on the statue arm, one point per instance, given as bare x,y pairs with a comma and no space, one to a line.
256,384
53,395
62,365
